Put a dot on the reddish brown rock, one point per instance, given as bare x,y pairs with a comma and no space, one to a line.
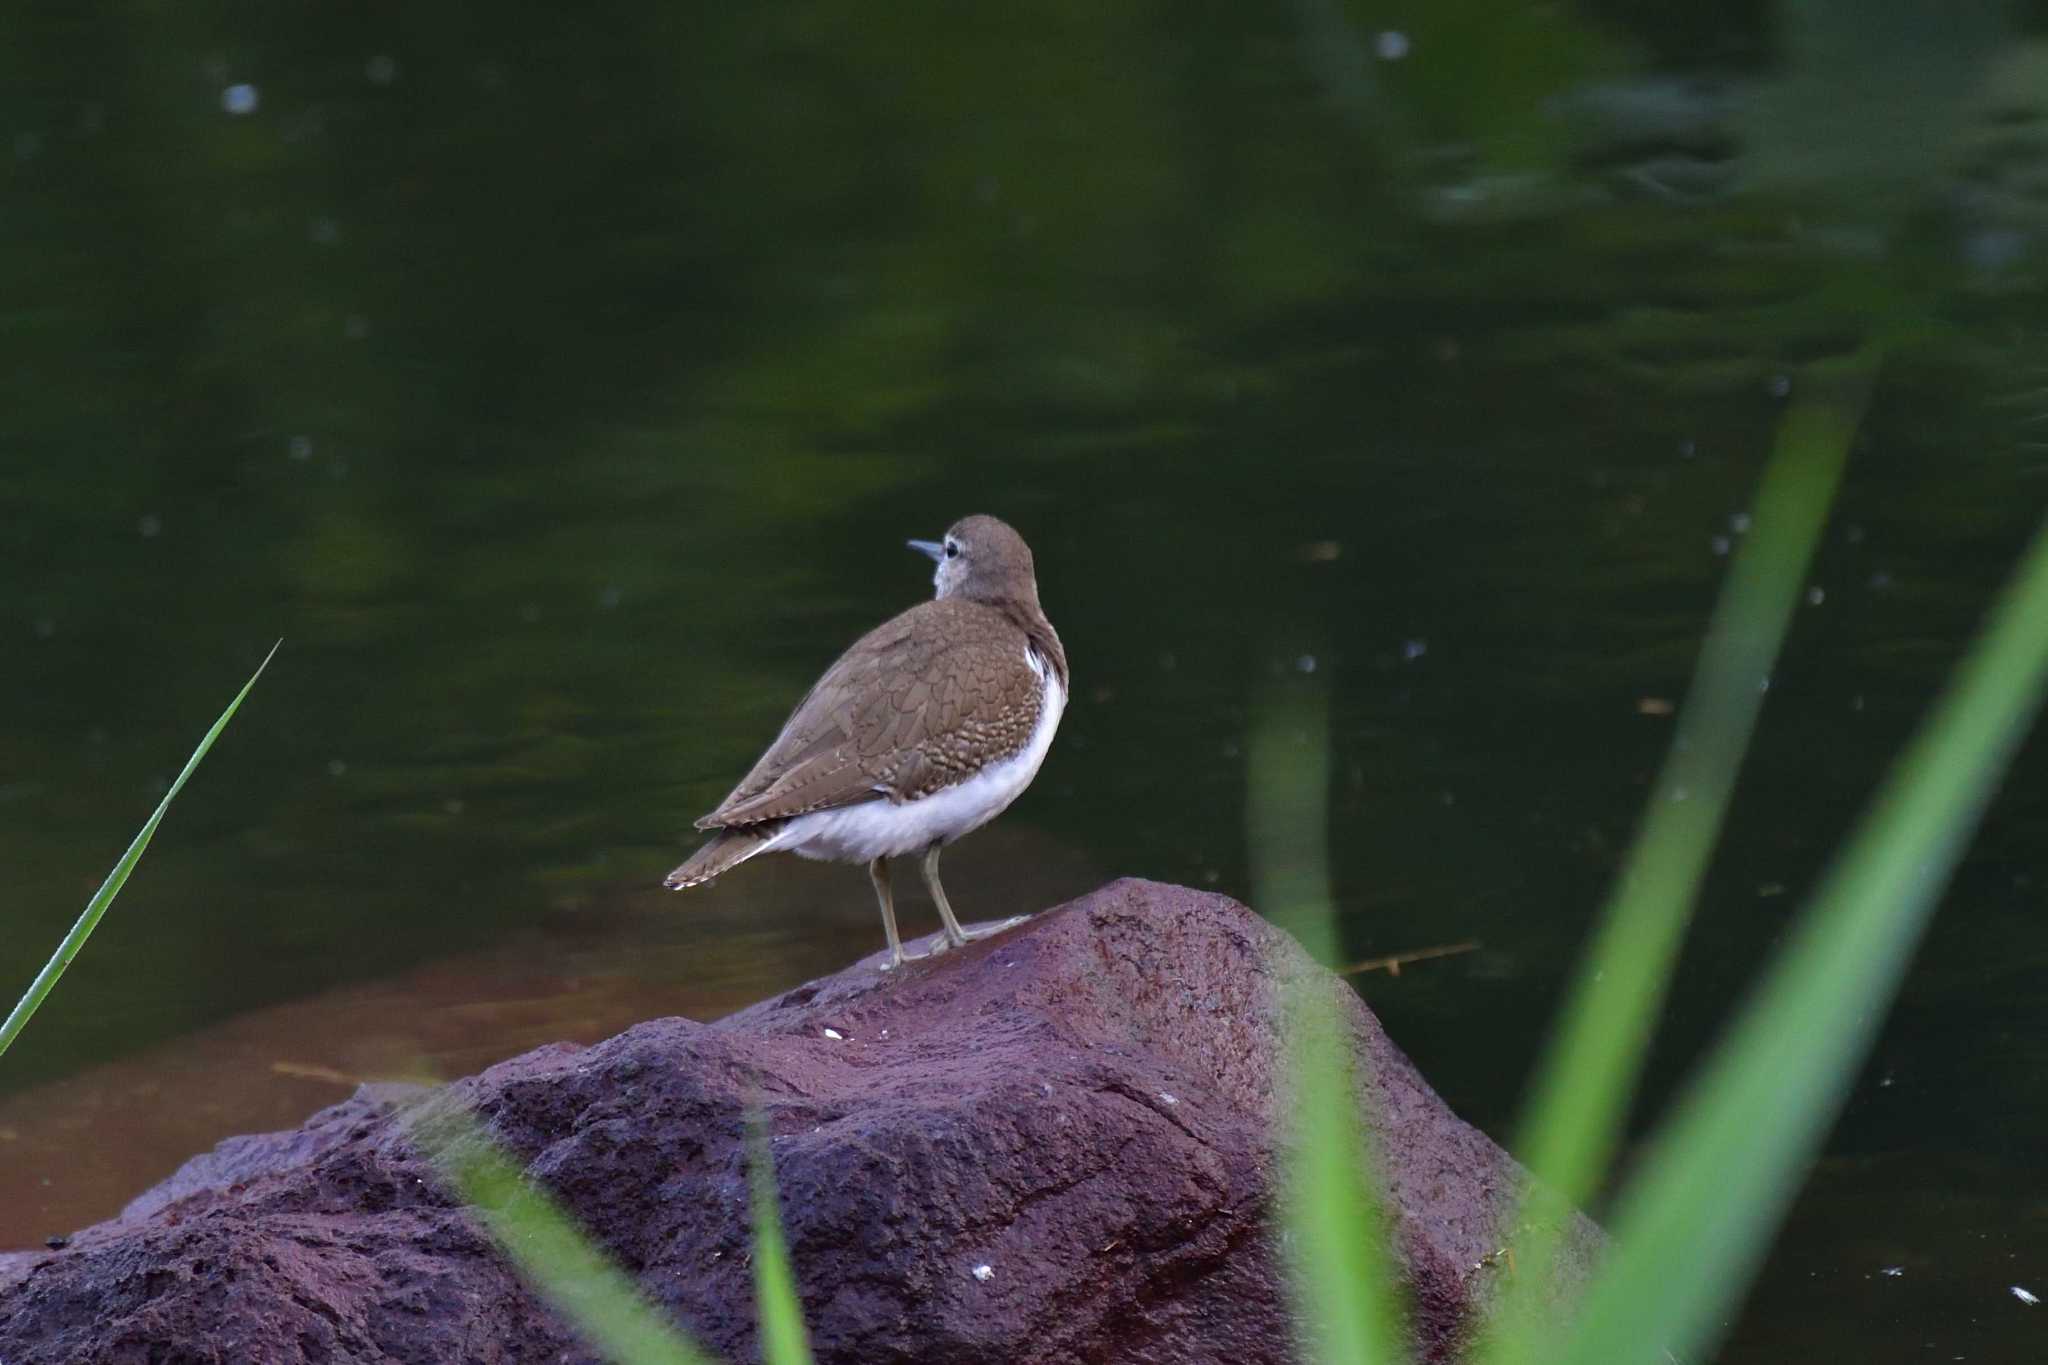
1081,1106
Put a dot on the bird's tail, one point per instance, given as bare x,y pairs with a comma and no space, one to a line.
727,849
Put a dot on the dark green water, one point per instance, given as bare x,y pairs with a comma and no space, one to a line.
561,386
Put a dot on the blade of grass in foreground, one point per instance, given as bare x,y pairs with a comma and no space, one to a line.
783,1338
46,979
1338,1265
1690,1230
576,1278
1581,1095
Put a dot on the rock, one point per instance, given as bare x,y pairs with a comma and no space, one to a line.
1054,1145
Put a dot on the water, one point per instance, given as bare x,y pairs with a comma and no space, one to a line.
562,394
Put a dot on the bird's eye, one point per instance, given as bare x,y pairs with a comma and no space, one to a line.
952,549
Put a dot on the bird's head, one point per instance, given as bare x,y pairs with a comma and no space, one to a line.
983,560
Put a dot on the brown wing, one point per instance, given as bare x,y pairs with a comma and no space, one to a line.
915,705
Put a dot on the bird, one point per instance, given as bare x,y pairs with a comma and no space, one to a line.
926,728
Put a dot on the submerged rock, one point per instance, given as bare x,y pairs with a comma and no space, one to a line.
1055,1145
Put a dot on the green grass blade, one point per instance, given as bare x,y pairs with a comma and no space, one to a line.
1691,1229
73,942
783,1338
551,1252
1339,1272
1581,1096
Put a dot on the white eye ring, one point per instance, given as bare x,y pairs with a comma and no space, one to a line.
952,548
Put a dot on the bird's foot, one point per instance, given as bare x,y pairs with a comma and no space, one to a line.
992,930
960,938
899,958
952,938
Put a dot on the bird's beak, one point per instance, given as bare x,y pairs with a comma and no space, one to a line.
930,547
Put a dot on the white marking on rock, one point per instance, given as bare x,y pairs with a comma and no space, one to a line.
835,1035
986,1272
1168,1099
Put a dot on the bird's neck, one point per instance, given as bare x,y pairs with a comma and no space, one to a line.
1030,618
1021,609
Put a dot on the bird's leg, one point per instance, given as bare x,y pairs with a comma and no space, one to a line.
878,873
956,937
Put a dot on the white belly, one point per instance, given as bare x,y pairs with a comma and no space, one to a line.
884,829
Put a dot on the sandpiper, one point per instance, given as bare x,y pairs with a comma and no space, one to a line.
928,727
